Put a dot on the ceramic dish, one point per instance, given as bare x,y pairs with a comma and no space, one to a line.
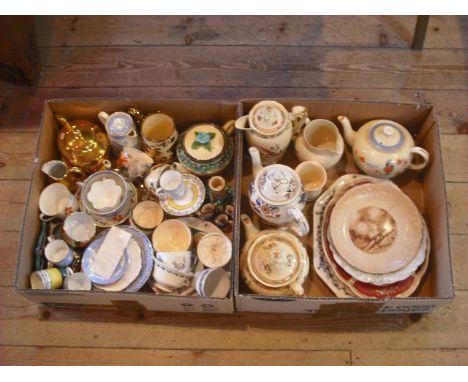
376,228
88,260
190,202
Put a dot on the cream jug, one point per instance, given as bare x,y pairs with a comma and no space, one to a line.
269,127
277,195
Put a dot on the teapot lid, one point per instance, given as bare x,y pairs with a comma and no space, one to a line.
268,116
387,136
204,142
274,260
279,183
120,124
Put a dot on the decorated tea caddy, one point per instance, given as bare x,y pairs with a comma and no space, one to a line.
273,262
270,127
277,195
383,148
205,149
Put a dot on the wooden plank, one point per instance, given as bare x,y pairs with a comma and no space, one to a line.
253,66
455,156
25,324
458,248
12,200
457,203
9,255
364,31
419,357
17,151
34,355
23,107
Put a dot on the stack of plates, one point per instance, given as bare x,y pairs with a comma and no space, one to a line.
134,268
370,240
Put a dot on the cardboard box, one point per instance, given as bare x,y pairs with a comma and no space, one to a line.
185,114
426,189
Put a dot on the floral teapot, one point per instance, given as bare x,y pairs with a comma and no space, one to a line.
277,195
383,148
273,262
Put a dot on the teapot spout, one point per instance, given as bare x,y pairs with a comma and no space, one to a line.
256,161
249,227
349,133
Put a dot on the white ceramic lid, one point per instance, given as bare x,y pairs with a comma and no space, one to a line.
268,116
376,228
214,250
204,142
278,183
273,260
387,136
119,124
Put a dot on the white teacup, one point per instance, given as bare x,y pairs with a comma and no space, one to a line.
313,176
180,261
171,184
57,201
79,229
59,253
169,278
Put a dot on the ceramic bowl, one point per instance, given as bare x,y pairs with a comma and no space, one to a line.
147,215
171,236
214,250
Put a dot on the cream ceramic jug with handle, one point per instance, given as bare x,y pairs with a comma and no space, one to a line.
383,148
277,195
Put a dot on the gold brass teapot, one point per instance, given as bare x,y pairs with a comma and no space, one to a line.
83,144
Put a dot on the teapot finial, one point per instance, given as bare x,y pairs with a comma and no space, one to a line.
256,161
349,133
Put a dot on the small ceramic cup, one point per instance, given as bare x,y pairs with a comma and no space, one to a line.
171,185
172,235
146,216
206,212
46,279
314,177
77,281
223,222
180,261
214,250
59,253
169,278
214,283
133,163
56,201
79,229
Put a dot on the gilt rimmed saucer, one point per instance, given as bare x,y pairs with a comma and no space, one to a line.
190,202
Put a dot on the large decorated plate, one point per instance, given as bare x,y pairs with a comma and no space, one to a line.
190,202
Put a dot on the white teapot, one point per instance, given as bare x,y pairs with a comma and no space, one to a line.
277,195
383,148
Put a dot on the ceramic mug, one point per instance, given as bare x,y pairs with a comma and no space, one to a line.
159,134
59,253
180,261
169,278
56,201
171,185
79,229
314,177
133,163
120,130
46,279
172,235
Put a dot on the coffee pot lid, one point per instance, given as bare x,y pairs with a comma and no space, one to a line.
268,116
279,183
387,136
274,260
204,142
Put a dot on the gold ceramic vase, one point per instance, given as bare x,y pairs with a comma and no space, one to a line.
82,144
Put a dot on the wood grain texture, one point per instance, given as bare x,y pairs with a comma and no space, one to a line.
253,66
459,252
8,258
19,355
17,151
381,31
12,201
420,357
457,205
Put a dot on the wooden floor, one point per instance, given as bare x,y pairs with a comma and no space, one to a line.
231,58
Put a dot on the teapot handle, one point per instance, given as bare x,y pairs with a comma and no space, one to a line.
422,153
242,122
103,117
300,225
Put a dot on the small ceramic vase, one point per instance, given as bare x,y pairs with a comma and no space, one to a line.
277,195
269,127
205,149
320,141
383,148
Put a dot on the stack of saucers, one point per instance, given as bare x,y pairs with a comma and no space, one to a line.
370,240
